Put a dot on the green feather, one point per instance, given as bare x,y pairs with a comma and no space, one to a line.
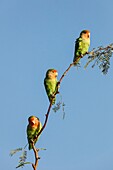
50,86
81,48
31,133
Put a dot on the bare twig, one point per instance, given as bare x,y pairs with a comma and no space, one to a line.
34,148
65,72
46,119
36,157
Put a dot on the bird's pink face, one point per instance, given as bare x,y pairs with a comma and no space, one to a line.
53,74
33,121
85,34
88,35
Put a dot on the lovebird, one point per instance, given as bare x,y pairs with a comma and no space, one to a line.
50,83
81,46
33,129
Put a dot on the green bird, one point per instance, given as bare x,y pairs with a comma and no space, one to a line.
81,46
50,83
33,129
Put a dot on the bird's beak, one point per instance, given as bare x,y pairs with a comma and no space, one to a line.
56,74
89,35
33,122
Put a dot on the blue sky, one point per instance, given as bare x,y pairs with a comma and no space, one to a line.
38,35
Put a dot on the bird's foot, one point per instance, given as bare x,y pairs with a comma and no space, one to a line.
58,85
53,95
86,53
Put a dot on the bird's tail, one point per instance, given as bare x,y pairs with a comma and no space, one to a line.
76,60
30,146
52,99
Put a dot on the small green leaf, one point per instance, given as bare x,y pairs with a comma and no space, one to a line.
22,164
12,152
101,57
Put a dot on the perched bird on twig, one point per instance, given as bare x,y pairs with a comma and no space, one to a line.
51,84
81,46
33,129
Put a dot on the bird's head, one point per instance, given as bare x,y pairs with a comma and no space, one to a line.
85,34
51,73
33,121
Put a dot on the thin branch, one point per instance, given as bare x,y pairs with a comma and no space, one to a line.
65,72
46,119
36,157
34,148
